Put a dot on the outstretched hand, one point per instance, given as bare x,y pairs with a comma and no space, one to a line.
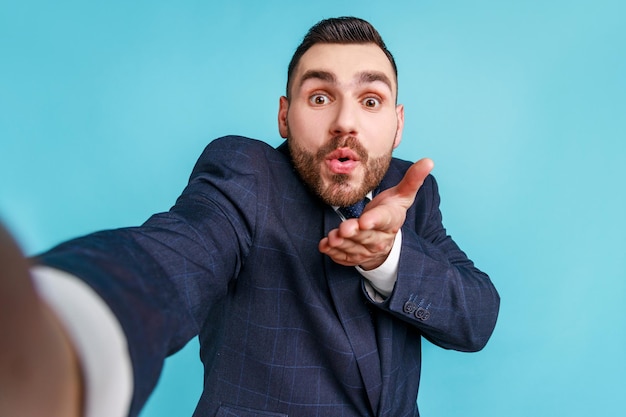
367,241
39,372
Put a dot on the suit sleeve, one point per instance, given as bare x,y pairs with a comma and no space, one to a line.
439,290
162,279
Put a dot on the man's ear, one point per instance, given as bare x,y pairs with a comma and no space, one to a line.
400,117
283,110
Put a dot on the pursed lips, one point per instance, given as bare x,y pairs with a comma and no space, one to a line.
342,161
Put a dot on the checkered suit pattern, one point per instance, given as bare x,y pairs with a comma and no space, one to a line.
283,330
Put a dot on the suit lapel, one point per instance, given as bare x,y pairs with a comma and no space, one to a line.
354,314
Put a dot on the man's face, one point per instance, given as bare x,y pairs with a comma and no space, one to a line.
341,120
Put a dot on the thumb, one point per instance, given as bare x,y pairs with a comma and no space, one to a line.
389,207
414,178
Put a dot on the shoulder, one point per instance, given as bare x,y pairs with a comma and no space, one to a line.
239,147
239,153
235,142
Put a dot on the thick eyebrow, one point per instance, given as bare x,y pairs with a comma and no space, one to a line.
319,75
365,77
368,77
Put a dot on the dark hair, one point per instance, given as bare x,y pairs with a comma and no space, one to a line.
341,30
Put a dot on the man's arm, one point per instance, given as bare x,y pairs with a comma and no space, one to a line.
39,371
438,289
367,241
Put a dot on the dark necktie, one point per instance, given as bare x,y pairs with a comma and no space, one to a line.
355,210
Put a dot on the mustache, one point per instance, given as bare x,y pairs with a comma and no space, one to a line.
337,142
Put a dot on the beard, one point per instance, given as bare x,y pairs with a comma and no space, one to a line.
339,191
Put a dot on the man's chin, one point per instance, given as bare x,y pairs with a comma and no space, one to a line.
342,193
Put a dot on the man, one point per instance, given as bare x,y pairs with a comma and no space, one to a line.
303,305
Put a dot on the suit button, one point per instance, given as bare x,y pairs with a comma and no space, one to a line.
422,314
409,307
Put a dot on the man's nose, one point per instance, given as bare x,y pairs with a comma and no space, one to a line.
346,118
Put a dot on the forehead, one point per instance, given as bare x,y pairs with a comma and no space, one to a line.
345,61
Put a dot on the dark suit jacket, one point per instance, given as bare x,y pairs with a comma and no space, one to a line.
283,330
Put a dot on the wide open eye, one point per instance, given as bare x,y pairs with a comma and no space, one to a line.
319,99
371,102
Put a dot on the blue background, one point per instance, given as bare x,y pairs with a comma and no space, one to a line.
522,104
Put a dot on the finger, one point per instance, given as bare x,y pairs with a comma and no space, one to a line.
414,178
352,257
348,228
333,241
364,243
334,238
382,217
386,212
404,192
337,240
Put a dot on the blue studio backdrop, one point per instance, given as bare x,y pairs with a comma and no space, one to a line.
104,107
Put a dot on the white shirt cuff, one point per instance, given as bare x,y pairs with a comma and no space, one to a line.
97,337
383,278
